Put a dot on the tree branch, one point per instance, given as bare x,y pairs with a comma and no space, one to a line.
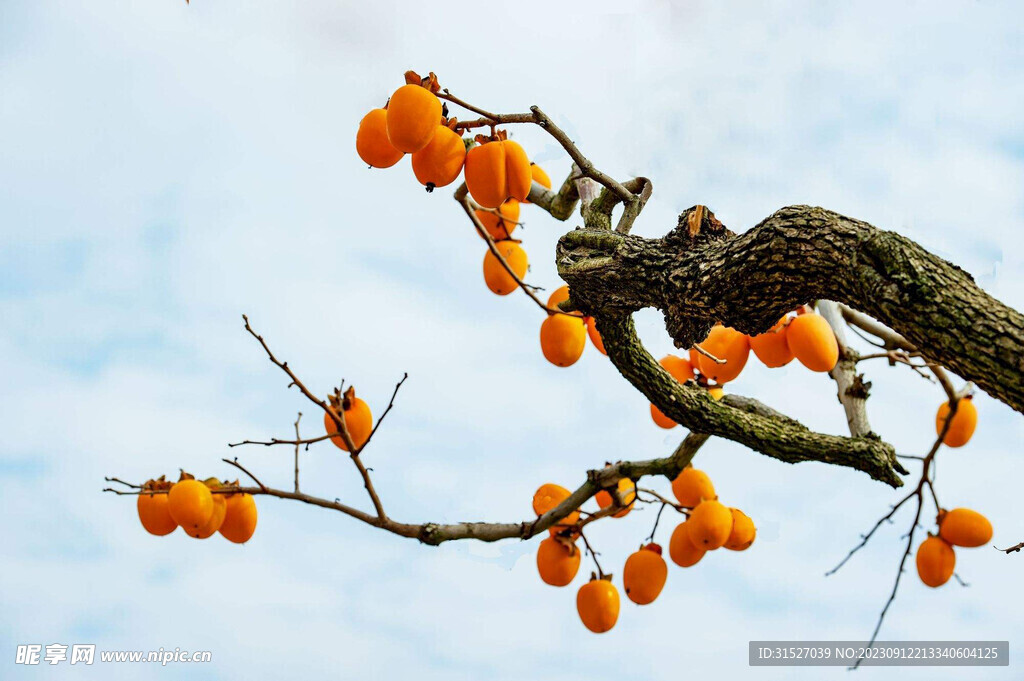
799,254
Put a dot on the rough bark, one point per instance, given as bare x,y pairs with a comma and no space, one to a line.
736,418
701,273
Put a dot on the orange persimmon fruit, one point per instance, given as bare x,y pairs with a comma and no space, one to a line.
692,486
538,175
709,525
961,428
154,513
935,561
771,346
498,280
964,527
557,561
681,370
597,602
414,113
500,225
548,496
813,342
681,549
644,574
358,419
595,335
743,531
627,492
724,342
216,518
372,142
497,170
563,338
240,520
439,163
190,504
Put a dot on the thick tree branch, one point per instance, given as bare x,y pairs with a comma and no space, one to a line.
739,419
799,254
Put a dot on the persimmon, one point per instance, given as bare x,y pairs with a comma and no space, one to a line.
550,495
154,512
414,113
439,163
498,280
358,419
644,574
597,602
812,341
216,518
724,342
240,520
500,225
627,492
743,531
771,347
935,561
496,170
681,370
372,143
562,339
558,296
961,428
709,525
595,335
964,527
190,504
716,393
692,486
538,175
681,548
694,359
557,561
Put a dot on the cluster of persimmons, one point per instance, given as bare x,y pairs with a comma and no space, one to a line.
200,508
709,525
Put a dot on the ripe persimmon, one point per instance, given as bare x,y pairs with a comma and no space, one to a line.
558,296
644,574
597,602
771,347
716,393
595,335
216,518
557,561
692,486
709,525
681,548
681,370
538,175
190,504
439,163
935,561
240,520
562,339
627,492
154,513
724,342
964,527
498,280
414,113
743,531
372,143
961,428
358,419
548,496
496,170
500,225
812,341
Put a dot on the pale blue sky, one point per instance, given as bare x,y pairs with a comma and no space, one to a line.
167,168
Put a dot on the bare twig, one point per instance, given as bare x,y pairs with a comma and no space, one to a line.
298,439
234,462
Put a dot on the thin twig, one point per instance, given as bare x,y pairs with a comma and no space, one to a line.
246,471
